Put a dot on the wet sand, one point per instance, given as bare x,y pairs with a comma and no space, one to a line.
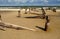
53,31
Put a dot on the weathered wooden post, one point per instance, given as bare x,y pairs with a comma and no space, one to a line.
46,23
25,11
29,10
19,15
0,17
43,13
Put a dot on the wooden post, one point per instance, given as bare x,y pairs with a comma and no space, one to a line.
25,11
0,17
19,14
43,13
29,10
46,23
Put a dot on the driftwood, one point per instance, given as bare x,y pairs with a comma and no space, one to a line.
17,27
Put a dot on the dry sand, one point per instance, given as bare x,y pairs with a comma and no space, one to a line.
53,31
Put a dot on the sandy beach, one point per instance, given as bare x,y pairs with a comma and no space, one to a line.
53,31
